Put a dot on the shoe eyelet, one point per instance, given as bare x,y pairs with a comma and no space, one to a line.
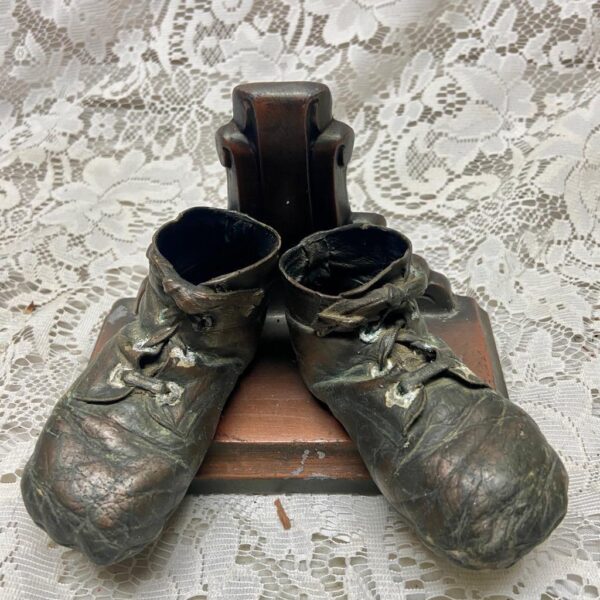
207,321
369,333
202,322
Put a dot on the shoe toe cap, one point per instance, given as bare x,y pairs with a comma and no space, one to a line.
482,486
505,493
107,494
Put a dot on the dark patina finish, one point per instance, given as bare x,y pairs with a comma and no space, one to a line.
469,470
274,436
120,448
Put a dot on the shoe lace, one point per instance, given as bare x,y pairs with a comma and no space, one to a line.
396,303
166,392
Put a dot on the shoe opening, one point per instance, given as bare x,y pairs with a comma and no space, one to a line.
206,243
343,259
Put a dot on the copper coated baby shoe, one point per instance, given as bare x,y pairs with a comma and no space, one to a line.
120,448
469,470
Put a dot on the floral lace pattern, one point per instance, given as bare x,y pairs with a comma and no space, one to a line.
477,133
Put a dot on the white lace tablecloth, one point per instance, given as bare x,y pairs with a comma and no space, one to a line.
477,134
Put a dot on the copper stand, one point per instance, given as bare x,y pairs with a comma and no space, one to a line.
286,161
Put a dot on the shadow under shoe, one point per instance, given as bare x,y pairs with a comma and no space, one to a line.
468,469
121,447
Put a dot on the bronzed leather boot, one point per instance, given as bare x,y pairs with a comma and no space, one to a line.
121,447
470,471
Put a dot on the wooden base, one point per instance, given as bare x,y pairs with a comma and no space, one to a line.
274,436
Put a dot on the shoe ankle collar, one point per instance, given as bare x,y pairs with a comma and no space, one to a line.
346,262
212,255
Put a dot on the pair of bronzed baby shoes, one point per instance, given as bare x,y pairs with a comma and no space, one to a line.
469,470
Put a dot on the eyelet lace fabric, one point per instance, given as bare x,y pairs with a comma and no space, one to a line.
477,134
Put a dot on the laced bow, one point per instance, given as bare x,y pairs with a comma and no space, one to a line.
368,314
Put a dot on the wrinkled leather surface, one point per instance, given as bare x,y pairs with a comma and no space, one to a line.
469,470
120,448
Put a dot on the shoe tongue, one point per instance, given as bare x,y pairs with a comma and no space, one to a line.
395,272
